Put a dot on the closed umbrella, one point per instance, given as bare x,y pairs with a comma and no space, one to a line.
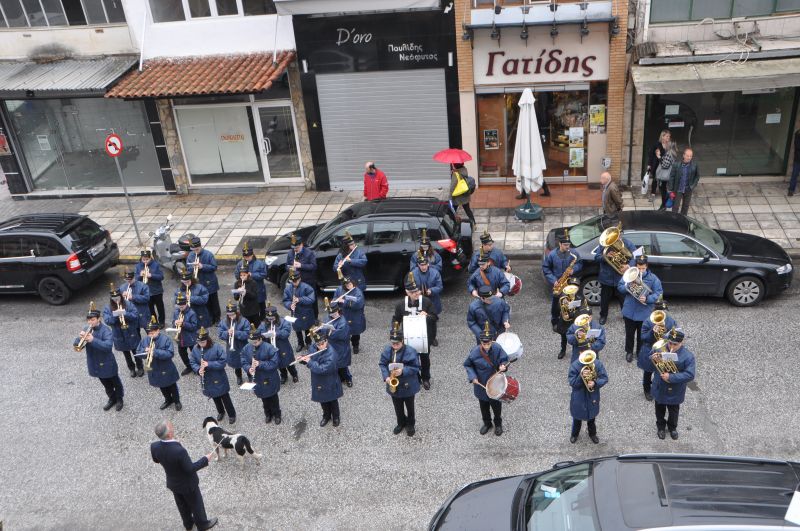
529,163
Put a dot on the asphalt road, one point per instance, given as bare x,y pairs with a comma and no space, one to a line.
66,464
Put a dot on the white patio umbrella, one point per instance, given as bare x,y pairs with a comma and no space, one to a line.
529,164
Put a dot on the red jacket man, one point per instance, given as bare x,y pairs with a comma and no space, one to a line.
375,184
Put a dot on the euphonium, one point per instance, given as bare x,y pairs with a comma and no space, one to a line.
662,366
634,284
583,322
568,295
615,253
148,360
587,358
658,317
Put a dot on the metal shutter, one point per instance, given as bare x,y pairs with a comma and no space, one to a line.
396,118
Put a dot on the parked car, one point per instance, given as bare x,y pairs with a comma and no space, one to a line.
53,254
655,491
388,232
688,257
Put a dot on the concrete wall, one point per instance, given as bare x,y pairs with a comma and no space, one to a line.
108,39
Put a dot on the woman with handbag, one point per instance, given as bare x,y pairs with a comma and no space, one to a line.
460,190
659,162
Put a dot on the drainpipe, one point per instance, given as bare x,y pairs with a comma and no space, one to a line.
144,30
630,134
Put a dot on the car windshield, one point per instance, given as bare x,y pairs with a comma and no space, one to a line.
585,231
707,235
562,500
345,215
85,232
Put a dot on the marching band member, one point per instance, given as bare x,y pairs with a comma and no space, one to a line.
650,334
258,272
208,361
163,373
339,339
609,278
300,299
669,388
304,262
636,311
239,327
204,260
402,383
100,358
326,388
431,285
488,275
426,250
351,301
414,303
150,273
277,331
197,297
584,403
124,328
488,309
576,335
139,294
496,257
264,361
185,319
554,266
566,314
249,305
482,362
351,261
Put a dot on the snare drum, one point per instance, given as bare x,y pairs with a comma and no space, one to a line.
510,342
415,332
502,387
516,284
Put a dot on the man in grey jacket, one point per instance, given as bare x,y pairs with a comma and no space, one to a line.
683,179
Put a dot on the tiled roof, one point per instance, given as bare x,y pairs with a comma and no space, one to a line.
197,76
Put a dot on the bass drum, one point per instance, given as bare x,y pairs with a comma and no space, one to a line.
415,332
502,387
516,284
511,344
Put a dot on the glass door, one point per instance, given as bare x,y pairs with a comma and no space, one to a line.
278,141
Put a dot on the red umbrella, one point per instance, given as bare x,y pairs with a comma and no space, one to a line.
452,155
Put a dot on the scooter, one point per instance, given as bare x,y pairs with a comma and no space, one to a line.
169,255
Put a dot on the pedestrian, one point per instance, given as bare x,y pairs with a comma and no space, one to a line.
264,361
635,310
488,309
149,271
669,389
376,186
351,262
123,319
233,333
304,261
559,264
609,276
652,332
339,339
578,336
100,362
683,179
586,379
196,297
163,373
458,172
204,260
185,320
611,196
258,272
795,165
182,477
299,298
495,255
659,165
326,387
399,365
277,332
488,275
351,301
482,362
413,304
208,361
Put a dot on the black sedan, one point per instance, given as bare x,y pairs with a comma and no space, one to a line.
688,257
663,491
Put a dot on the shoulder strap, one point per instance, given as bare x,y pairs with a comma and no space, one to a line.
483,353
484,277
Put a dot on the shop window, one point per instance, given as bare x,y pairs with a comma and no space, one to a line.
34,12
227,7
167,10
259,7
199,8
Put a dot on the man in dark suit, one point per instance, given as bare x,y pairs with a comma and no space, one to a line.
182,477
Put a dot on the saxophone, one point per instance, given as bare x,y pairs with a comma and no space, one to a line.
562,281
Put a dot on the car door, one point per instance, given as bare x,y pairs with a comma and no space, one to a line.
389,253
329,247
686,266
16,264
50,255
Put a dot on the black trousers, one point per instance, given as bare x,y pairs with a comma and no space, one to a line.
193,510
330,410
133,362
238,373
156,306
425,366
302,337
606,294
183,352
576,427
682,202
555,310
253,319
213,307
272,406
404,411
672,410
290,369
467,211
662,185
113,387
170,393
563,342
633,328
496,409
647,381
262,311
344,374
355,340
225,404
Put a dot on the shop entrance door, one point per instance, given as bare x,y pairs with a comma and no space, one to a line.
278,141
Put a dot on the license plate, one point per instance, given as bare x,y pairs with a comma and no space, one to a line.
97,249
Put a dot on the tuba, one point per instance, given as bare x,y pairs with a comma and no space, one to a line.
615,253
658,318
568,295
587,358
634,285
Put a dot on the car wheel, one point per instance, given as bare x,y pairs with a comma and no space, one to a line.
745,291
53,291
591,290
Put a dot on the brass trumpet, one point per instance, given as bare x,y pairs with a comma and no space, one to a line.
587,358
148,360
81,344
615,253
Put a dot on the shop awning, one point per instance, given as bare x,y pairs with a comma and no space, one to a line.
203,76
716,77
61,79
318,7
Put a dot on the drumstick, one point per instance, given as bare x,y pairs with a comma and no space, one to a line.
478,383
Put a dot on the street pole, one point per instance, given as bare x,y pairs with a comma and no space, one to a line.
128,199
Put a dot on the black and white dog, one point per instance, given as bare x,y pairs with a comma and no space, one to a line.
226,440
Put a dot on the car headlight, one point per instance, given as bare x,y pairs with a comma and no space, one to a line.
782,270
269,259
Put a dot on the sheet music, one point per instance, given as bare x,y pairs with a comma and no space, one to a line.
670,356
574,304
638,252
594,333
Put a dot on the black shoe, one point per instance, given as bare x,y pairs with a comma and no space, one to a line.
791,193
521,195
397,429
165,405
238,380
268,419
662,434
231,420
186,371
300,347
324,422
674,435
485,429
336,422
211,523
140,372
220,416
283,379
562,354
426,384
555,327
277,420
435,343
178,406
602,321
498,430
109,404
355,349
629,357
410,431
648,396
295,379
594,439
133,373
119,405
349,383
545,194
573,438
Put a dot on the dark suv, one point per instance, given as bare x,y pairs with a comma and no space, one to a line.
388,232
53,254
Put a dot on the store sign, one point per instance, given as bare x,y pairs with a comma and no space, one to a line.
234,137
543,60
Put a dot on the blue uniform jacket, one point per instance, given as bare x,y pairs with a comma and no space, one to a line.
140,297
339,339
154,283
191,325
584,405
435,261
283,331
124,339
409,380
431,280
241,332
648,338
556,262
497,257
479,368
497,280
325,383
596,345
353,268
353,309
208,273
674,391
496,312
164,372
197,302
308,264
304,311
266,378
215,379
632,308
258,272
608,275
99,357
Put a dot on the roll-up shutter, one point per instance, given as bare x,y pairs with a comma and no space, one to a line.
396,118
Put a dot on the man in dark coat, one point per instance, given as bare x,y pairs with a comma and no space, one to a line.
414,303
554,265
263,367
584,403
488,275
351,262
182,477
301,299
208,361
482,362
100,358
487,248
399,364
636,311
683,178
163,373
326,387
669,388
303,261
